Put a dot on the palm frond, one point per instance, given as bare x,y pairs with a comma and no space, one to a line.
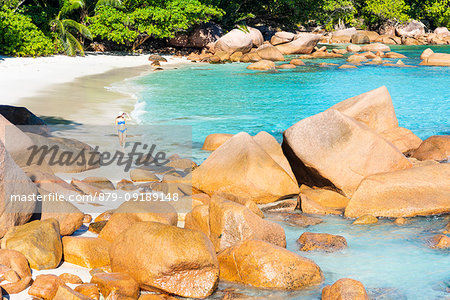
113,3
80,28
71,5
74,44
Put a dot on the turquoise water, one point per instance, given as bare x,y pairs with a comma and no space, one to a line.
229,98
393,262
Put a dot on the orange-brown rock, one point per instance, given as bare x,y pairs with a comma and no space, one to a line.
333,150
156,297
345,289
87,252
121,283
16,262
325,199
262,65
105,216
440,241
241,167
39,241
295,219
198,219
126,185
376,47
102,183
302,43
45,286
87,218
164,257
417,191
132,212
403,139
310,241
70,278
400,221
69,217
97,227
66,293
265,265
373,108
436,147
269,52
231,223
437,59
365,220
426,53
347,67
286,66
297,62
215,140
200,199
89,289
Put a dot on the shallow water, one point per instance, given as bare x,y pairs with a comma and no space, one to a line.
392,261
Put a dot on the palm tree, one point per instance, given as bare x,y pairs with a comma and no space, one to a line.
63,27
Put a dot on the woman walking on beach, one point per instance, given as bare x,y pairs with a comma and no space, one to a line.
122,127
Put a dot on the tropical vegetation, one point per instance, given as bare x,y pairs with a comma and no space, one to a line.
45,27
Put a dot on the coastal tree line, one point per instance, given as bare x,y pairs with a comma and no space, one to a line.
45,27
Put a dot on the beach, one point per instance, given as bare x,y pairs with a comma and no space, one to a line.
57,80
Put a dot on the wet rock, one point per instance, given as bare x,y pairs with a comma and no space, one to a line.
406,193
16,262
440,241
321,201
333,150
262,65
437,59
129,213
296,219
89,290
310,241
39,241
354,48
365,220
87,252
227,170
347,67
297,62
121,283
250,57
265,265
288,205
174,260
286,66
236,56
360,38
70,278
45,286
436,147
400,221
345,289
101,183
303,43
403,139
156,297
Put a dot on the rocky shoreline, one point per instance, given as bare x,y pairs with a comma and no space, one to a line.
351,160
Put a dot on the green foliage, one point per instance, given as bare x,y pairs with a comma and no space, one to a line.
376,12
135,23
20,37
437,12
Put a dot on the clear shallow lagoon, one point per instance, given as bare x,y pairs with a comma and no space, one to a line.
229,98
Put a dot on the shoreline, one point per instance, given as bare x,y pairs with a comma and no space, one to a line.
53,92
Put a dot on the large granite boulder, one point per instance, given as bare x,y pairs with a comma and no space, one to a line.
436,147
437,59
345,289
239,40
25,119
417,191
333,150
16,263
411,29
215,140
174,260
360,38
200,36
282,37
373,108
265,265
269,52
442,31
403,139
241,167
15,141
376,47
321,201
132,212
303,43
14,183
39,241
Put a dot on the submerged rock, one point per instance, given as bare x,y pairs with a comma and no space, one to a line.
365,220
262,65
440,241
265,265
174,260
310,241
333,150
417,191
39,241
437,59
345,289
297,62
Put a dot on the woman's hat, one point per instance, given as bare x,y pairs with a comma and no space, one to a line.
120,113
